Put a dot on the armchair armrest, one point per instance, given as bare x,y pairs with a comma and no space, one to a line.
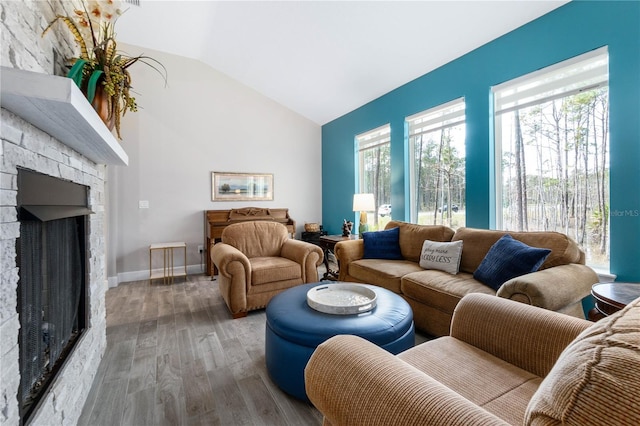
529,337
307,255
347,252
354,382
223,255
552,288
298,251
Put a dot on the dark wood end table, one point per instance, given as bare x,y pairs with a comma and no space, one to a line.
611,297
328,243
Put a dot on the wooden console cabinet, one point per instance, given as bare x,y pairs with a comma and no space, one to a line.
216,220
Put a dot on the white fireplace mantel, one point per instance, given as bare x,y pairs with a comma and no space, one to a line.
55,105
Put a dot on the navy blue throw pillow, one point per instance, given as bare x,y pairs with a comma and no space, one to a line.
509,258
382,244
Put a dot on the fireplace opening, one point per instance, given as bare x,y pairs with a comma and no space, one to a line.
52,294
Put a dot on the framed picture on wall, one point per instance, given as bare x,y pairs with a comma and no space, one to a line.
241,186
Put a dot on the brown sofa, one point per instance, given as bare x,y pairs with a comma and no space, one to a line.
504,363
559,285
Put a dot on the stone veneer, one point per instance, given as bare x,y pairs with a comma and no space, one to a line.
23,145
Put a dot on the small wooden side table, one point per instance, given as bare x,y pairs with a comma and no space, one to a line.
611,297
169,270
328,243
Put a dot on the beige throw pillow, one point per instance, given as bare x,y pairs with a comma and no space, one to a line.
441,256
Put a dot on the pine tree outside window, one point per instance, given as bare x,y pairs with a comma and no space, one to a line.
374,171
552,153
437,165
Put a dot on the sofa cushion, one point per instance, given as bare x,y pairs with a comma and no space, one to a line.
477,243
509,258
382,244
256,238
584,386
488,381
412,236
439,289
381,272
269,269
443,256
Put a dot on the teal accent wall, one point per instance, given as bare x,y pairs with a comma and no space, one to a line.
573,29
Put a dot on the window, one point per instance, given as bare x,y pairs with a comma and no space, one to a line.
552,155
374,170
437,166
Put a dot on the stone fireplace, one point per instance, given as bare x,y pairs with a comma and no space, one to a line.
47,127
25,146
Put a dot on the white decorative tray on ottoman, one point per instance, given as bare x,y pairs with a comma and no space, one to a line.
341,299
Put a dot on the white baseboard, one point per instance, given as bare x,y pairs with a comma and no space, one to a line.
125,277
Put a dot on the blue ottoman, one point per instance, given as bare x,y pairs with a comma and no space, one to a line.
294,330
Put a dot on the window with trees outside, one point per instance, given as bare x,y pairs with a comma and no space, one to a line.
437,166
374,172
552,153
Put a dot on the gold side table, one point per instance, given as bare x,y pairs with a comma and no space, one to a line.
169,270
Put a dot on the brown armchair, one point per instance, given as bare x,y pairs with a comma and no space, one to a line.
257,260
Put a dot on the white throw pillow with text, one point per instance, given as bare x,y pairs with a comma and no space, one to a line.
441,256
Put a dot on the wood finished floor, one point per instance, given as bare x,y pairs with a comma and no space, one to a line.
175,357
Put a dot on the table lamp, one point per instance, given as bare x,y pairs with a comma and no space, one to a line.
363,203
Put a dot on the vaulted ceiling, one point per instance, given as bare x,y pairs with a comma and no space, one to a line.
323,59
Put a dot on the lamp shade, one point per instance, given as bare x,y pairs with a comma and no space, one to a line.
363,203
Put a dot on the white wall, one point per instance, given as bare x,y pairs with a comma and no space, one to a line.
203,121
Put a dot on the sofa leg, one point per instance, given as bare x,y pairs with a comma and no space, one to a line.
239,315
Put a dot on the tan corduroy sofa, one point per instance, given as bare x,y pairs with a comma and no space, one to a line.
559,285
504,363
